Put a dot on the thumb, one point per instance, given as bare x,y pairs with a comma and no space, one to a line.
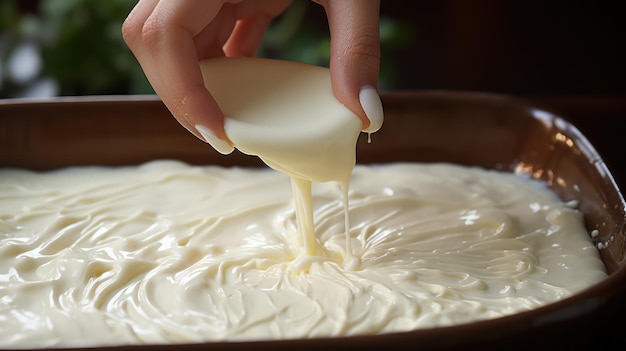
355,57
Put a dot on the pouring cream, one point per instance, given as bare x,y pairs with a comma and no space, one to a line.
285,113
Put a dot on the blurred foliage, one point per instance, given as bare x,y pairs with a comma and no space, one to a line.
80,46
79,49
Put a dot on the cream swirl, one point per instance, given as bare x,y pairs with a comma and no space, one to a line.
168,252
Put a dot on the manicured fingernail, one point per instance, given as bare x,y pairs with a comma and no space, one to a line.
222,146
373,107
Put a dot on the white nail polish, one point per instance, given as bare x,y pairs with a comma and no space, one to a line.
222,146
373,107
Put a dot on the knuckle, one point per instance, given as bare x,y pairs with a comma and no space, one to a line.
365,46
148,31
131,29
151,30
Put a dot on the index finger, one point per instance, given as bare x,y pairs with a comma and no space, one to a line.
168,49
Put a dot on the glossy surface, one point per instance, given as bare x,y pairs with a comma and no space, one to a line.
470,129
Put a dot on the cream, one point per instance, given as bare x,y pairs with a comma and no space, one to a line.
285,113
167,252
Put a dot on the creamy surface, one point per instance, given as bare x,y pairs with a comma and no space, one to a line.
167,252
285,113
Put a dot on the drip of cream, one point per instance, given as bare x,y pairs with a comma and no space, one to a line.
286,114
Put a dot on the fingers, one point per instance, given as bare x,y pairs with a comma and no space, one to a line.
168,38
355,57
161,36
131,31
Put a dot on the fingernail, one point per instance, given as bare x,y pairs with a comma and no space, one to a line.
222,146
373,107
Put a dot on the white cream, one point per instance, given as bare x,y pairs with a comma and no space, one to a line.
166,252
285,113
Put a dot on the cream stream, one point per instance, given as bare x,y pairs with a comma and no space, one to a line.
285,113
166,252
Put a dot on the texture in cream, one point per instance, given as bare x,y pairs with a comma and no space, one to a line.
285,113
167,252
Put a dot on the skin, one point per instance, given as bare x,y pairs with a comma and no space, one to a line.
169,37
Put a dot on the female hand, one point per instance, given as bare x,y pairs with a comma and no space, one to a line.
169,38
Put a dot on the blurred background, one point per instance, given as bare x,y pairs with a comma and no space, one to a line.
75,47
530,48
568,56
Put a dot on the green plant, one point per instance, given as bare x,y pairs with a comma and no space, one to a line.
85,51
81,49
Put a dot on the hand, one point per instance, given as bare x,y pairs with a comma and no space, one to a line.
169,37
355,57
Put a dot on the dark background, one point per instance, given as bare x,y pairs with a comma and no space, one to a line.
530,48
534,48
